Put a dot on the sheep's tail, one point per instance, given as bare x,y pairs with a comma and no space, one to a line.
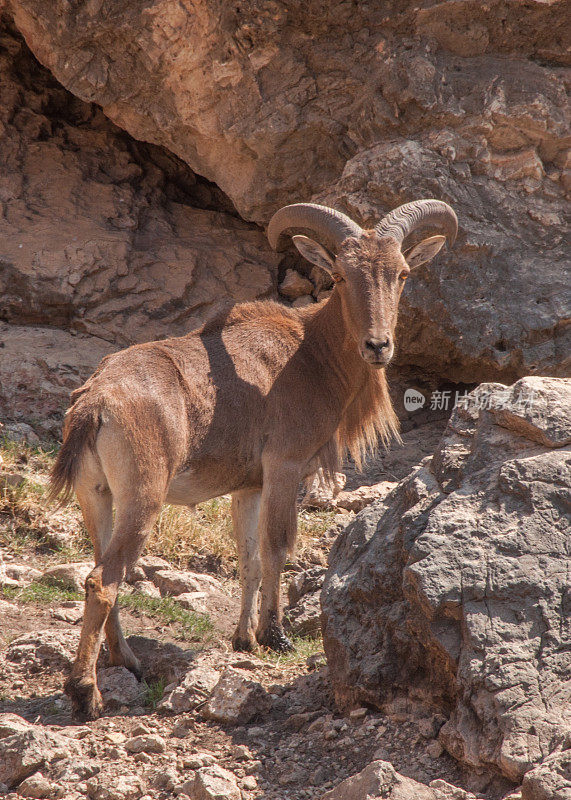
80,432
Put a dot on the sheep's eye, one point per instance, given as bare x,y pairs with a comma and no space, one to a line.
403,276
338,278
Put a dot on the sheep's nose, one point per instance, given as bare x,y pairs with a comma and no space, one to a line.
377,346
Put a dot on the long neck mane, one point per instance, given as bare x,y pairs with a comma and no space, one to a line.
368,415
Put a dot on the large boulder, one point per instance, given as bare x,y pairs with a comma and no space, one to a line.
362,105
454,590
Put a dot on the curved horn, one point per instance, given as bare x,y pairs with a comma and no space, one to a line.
403,220
331,227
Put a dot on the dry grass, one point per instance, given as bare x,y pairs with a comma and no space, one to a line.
181,535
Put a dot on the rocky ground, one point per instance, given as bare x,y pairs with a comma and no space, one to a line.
206,723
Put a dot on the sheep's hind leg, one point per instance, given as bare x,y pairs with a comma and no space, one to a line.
132,524
94,497
245,513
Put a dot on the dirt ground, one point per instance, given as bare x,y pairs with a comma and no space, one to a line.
297,751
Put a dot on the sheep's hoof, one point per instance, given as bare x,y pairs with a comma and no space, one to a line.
128,660
86,700
244,644
273,636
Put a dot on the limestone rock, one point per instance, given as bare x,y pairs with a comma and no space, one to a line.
12,725
551,780
456,587
146,743
72,575
305,582
25,752
119,687
194,601
303,301
19,432
161,661
295,285
44,650
176,582
123,787
70,611
358,499
380,779
147,588
22,573
321,491
212,783
304,618
11,480
194,688
104,237
236,699
39,787
152,564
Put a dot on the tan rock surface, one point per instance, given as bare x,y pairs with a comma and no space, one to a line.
99,233
363,106
455,589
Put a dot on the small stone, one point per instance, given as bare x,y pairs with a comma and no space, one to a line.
249,783
212,783
235,700
193,601
146,588
194,688
71,575
139,730
358,714
38,787
434,749
172,582
151,564
150,743
119,687
295,285
303,301
115,738
198,760
241,752
71,611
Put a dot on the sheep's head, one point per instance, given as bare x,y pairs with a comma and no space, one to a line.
368,266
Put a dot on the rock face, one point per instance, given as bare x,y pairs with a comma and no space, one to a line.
364,106
40,367
100,235
455,590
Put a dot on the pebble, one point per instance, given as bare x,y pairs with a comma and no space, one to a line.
149,743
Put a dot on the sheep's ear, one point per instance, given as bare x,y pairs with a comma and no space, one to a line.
424,251
314,252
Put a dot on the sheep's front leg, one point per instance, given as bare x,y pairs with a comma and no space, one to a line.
277,531
245,514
